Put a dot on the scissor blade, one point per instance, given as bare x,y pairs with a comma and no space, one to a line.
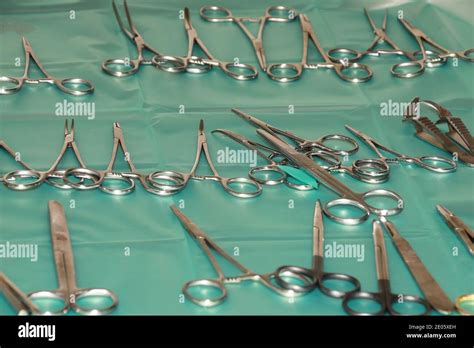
59,229
16,297
458,226
371,21
318,232
434,294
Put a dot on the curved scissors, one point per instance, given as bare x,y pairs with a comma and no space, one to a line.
121,67
74,86
16,297
316,273
263,174
198,65
272,14
424,162
208,245
99,178
67,291
387,301
348,197
350,72
305,145
171,182
38,177
416,67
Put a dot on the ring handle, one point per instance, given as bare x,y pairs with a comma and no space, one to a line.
95,176
342,138
353,69
50,296
172,64
291,72
75,86
407,70
107,177
167,180
384,193
425,162
254,189
338,278
432,59
343,55
105,296
251,74
371,169
346,220
306,276
120,67
366,297
466,54
333,162
209,284
408,299
280,175
276,14
462,299
10,179
212,14
15,84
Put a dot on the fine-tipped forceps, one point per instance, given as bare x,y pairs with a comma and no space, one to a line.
348,197
417,66
74,86
193,64
99,178
15,180
120,67
17,298
305,145
394,304
70,296
171,182
206,298
316,273
434,294
269,174
427,130
347,71
336,54
376,167
272,14
462,230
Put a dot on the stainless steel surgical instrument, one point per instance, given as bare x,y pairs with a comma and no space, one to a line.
462,230
17,298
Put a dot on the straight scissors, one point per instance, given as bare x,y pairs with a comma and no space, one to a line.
305,145
99,178
171,182
74,86
68,292
366,166
316,273
416,67
394,304
347,71
269,174
195,64
35,178
120,67
16,297
348,197
208,245
272,14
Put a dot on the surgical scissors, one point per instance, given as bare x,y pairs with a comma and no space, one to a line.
347,71
67,291
394,304
17,298
269,174
100,177
211,14
383,161
459,227
208,245
171,182
319,277
416,67
195,64
76,87
120,67
304,145
38,177
348,197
